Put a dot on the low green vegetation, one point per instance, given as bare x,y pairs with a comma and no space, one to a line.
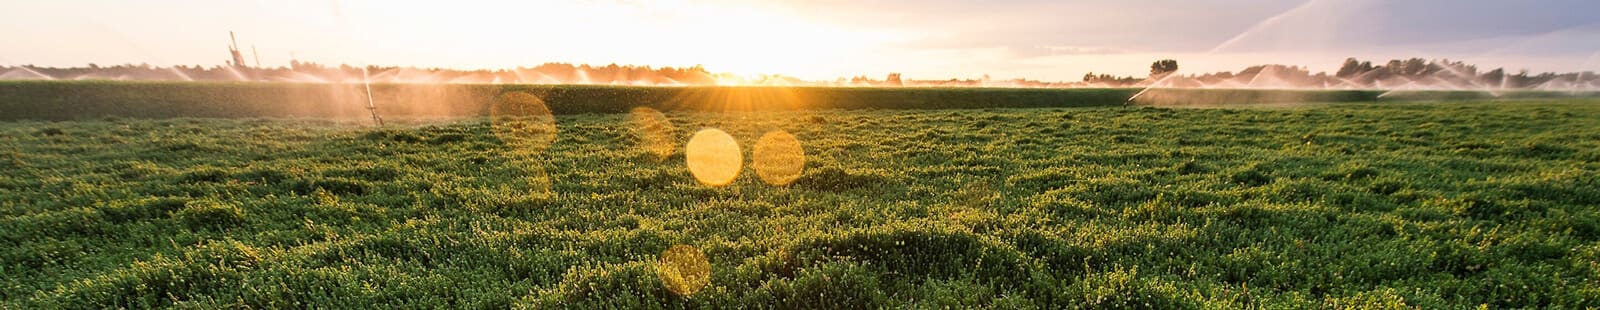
82,100
1433,205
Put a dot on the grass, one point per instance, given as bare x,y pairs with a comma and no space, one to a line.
1433,205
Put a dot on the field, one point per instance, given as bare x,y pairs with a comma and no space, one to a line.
1366,205
79,100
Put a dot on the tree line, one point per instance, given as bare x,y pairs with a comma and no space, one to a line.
1412,73
299,71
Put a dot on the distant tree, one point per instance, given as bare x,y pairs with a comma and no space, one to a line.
1414,67
1111,80
1494,77
1521,79
1353,68
1394,67
1163,67
894,80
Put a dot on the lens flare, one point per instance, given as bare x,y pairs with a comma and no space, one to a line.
713,157
976,194
539,182
654,130
778,158
683,269
522,121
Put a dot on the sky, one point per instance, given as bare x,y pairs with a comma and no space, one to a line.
1051,40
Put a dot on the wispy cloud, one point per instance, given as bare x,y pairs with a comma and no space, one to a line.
811,38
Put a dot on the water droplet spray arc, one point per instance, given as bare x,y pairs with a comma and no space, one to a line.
366,78
1263,24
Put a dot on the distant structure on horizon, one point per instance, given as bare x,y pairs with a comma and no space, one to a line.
233,49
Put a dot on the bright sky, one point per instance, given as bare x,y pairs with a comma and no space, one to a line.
818,40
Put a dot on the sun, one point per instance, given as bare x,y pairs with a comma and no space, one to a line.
746,38
750,40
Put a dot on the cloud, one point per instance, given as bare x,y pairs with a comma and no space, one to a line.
1418,26
1081,50
1204,25
816,38
1061,39
1059,50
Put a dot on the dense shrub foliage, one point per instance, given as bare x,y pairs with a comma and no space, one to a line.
1433,205
78,100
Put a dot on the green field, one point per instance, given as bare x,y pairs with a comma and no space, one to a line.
1366,205
79,100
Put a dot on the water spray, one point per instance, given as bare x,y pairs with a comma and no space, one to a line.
366,78
371,106
25,68
1231,41
1147,88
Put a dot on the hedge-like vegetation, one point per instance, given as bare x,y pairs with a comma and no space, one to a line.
68,100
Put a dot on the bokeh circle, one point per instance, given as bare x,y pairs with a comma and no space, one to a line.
522,121
713,157
778,158
654,130
683,269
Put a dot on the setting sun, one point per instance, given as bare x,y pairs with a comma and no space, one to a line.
820,41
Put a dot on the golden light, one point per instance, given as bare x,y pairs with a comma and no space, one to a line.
742,99
778,158
655,131
731,80
713,157
539,182
743,37
522,121
683,269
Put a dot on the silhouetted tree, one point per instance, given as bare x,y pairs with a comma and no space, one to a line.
1409,68
1109,80
1353,73
1163,67
1493,77
1353,68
